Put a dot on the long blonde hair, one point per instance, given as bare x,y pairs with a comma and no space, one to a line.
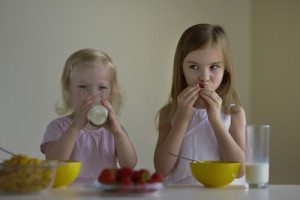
194,38
82,56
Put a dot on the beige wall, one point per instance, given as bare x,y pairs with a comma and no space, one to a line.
275,79
37,36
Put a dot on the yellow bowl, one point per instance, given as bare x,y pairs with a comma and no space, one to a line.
214,173
66,173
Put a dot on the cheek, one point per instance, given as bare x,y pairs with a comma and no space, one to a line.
190,78
75,98
106,95
218,79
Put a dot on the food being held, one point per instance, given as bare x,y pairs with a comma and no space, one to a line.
23,174
201,85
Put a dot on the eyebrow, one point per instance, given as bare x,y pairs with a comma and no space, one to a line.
84,82
213,63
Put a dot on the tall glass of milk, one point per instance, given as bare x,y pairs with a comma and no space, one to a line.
257,156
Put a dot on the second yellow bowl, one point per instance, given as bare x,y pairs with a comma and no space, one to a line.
215,173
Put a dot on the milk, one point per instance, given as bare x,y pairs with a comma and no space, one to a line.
97,115
257,173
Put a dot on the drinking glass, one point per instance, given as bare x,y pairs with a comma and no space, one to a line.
257,156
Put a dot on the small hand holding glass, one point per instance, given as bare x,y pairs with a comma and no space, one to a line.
80,119
113,123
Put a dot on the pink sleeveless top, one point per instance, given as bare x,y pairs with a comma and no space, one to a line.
94,148
199,143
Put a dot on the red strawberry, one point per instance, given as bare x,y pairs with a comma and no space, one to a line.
141,176
107,176
157,177
135,176
126,181
124,185
124,173
201,85
146,175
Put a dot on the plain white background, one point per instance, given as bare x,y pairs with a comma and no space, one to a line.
37,36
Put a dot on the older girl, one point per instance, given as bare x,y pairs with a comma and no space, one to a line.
203,119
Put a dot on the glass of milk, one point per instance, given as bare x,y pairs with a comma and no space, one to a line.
98,114
257,156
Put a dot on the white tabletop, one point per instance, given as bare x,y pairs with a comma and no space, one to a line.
180,192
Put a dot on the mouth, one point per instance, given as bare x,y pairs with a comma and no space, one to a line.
202,85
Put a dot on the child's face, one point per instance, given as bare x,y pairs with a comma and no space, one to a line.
205,66
86,79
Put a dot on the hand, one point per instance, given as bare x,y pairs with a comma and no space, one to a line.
186,100
80,115
213,103
113,122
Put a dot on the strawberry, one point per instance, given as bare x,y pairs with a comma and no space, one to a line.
124,185
126,181
157,177
141,176
124,173
145,174
201,85
107,176
135,176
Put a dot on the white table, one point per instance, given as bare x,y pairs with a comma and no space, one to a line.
176,192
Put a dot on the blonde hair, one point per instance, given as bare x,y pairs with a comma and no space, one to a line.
194,38
82,56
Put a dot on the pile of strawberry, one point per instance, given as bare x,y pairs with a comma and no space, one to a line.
128,176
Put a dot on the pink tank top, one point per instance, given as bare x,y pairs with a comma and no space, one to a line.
199,143
94,148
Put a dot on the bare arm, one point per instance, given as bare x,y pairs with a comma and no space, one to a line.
62,148
170,137
169,140
232,142
125,150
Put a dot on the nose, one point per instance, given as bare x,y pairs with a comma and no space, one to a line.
92,90
204,76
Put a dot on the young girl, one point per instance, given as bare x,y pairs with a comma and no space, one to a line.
89,73
203,119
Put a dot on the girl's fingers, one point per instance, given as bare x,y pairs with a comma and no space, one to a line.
211,94
107,105
212,99
193,99
207,98
188,93
111,112
188,90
